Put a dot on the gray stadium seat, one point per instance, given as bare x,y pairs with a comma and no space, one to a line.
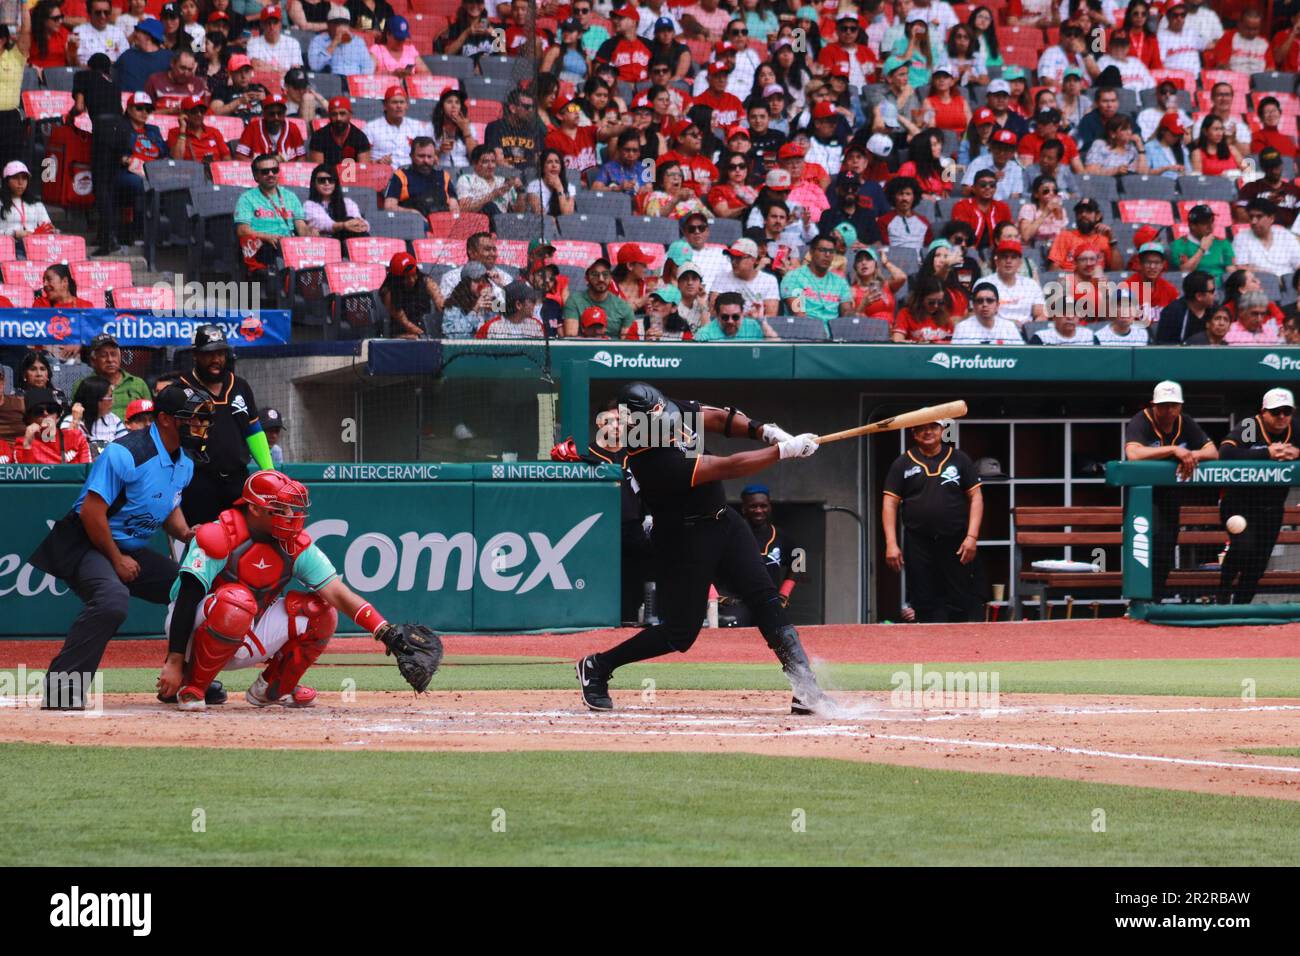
517,226
928,210
444,64
166,191
366,199
587,228
1273,81
506,69
1137,186
577,277
858,328
611,204
486,88
1147,100
364,110
909,260
946,205
1029,328
9,379
649,229
1101,188
399,225
211,212
65,377
799,328
725,231
1270,284
60,78
31,79
327,84
1128,100
1207,188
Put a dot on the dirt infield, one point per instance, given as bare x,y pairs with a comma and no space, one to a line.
1174,743
1107,639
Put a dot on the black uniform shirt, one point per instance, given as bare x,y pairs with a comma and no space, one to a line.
234,410
933,490
1238,447
1186,433
777,551
631,504
666,476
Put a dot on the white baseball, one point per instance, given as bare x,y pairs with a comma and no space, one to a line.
1236,524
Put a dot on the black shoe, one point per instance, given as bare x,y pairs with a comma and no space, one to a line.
595,685
799,708
812,704
216,695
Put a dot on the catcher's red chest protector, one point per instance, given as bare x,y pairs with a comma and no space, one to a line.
264,567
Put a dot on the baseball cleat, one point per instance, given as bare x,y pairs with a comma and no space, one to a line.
257,695
595,685
190,698
216,694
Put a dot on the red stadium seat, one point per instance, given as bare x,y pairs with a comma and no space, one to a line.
572,252
483,111
232,172
145,297
20,295
444,251
369,175
52,247
371,87
442,8
166,122
301,126
349,278
376,249
512,253
307,252
1025,56
102,274
295,174
1180,78
273,80
1158,212
425,86
27,273
47,104
1240,82
453,225
1204,101
701,50
230,127
1031,37
649,248
8,251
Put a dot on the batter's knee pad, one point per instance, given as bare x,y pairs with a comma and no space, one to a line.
304,647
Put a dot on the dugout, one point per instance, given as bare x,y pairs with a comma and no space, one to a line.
1049,415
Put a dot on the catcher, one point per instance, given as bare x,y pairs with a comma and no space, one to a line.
254,590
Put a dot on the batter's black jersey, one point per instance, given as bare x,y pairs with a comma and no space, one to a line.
1186,433
234,409
665,475
777,551
630,501
933,490
1249,441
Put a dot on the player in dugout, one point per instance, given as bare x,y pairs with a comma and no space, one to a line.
776,549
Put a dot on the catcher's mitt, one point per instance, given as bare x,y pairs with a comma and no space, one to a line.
418,651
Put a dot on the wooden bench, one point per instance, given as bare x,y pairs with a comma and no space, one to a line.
1097,526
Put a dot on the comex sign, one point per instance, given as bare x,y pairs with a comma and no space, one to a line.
500,554
638,360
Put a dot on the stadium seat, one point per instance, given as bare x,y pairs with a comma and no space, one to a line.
374,249
60,78
305,258
577,276
367,110
102,274
799,328
1147,99
327,84
506,69
19,294
486,88
54,247
371,86
649,229
1207,188
1101,188
512,253
523,226
8,249
610,204
1141,186
1222,212
294,174
162,297
570,252
166,191
1180,78
1270,284
599,229
8,374
1157,212
366,199
459,226
211,211
1029,328
442,64
1128,101
1272,81
857,328
725,231
398,225
366,175
232,172
65,376
423,86
441,250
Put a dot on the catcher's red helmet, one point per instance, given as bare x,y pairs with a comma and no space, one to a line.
286,499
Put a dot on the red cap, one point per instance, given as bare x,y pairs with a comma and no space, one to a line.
1006,137
274,99
984,115
717,66
218,16
631,253
1170,122
1146,234
402,264
237,63
840,68
681,126
199,102
561,104
737,131
270,13
641,100
341,103
790,151
139,406
1010,245
593,315
722,47
392,91
629,11
823,110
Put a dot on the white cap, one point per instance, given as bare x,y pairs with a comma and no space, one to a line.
880,145
1167,391
999,86
338,12
14,167
1278,398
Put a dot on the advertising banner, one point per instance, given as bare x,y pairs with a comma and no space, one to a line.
140,327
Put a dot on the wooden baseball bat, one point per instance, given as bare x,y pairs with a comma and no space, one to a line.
919,416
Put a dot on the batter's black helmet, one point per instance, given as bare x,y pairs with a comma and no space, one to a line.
641,397
210,338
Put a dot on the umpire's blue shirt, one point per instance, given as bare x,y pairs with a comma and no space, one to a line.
142,484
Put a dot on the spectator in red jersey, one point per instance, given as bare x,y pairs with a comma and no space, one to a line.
1143,45
981,211
192,139
727,109
52,43
1286,44
272,133
1269,112
698,173
924,164
845,48
873,289
945,107
59,290
1047,126
1151,291
1244,49
523,36
732,198
925,318
169,87
625,51
577,144
43,441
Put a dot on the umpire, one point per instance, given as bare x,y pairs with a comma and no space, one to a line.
1161,432
100,547
939,491
697,538
1266,437
236,433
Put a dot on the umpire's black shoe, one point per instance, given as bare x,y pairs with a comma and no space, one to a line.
595,685
216,695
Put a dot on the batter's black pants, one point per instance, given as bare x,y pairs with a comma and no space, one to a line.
106,598
1248,552
637,558
939,587
209,493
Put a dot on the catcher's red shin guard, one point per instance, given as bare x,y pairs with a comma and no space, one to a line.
302,649
230,614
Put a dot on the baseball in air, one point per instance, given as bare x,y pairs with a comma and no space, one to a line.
1236,524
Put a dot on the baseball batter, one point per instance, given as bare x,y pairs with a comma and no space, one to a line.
697,538
254,591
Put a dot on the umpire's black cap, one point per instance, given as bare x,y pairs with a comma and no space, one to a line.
178,401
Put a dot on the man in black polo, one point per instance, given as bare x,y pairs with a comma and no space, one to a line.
517,136
938,489
236,433
1185,317
1161,432
421,187
776,549
338,139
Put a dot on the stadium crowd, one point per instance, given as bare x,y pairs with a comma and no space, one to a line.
1074,173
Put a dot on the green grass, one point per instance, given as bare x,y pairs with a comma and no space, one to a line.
1271,751
87,806
1195,678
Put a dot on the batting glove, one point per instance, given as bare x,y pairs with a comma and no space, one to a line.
774,434
801,446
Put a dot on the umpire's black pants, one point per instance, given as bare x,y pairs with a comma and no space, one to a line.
939,587
209,493
106,598
691,556
1248,553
